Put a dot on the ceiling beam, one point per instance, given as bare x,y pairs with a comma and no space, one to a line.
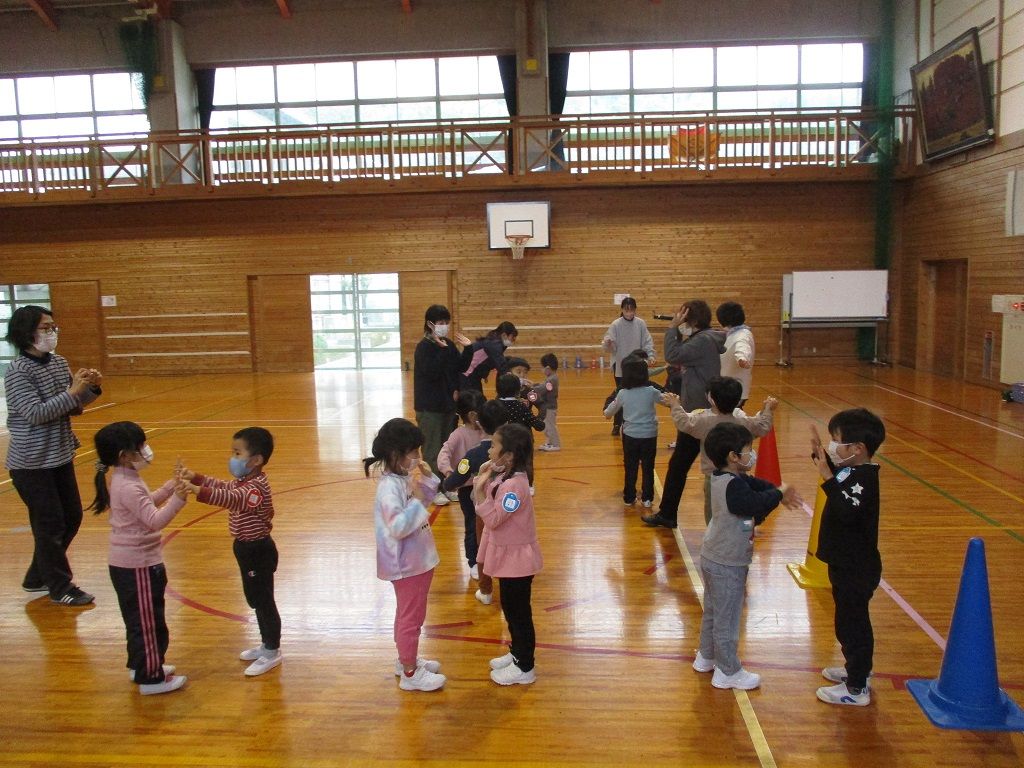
407,6
284,8
45,10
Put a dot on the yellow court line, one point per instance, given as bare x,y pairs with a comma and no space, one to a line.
934,457
757,737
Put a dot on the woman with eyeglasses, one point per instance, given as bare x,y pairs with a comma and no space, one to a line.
42,396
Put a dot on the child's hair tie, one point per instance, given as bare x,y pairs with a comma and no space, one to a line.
101,467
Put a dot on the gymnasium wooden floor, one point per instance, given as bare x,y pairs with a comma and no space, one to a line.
617,606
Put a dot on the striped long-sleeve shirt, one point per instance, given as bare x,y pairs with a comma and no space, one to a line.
39,411
248,501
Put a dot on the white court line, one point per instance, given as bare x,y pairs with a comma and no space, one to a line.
953,413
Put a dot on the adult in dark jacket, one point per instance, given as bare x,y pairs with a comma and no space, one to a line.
689,342
435,383
487,354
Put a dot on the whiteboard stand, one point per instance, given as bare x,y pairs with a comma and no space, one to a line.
787,327
786,361
876,360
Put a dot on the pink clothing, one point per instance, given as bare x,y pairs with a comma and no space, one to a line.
136,519
509,545
456,447
248,501
405,543
411,595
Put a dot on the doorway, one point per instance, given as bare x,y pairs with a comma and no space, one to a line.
942,317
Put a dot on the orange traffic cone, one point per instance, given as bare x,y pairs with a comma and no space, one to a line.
767,467
812,573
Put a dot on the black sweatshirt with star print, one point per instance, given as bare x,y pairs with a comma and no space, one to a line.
848,537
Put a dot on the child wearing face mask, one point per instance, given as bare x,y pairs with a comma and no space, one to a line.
723,397
738,503
250,514
406,553
848,544
137,570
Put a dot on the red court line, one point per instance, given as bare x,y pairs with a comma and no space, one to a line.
580,601
453,625
570,480
651,570
205,608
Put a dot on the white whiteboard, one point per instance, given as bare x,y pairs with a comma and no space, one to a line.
847,295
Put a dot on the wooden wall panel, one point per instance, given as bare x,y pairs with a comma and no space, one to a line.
76,308
662,245
282,323
957,211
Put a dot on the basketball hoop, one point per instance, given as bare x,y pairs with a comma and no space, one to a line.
517,243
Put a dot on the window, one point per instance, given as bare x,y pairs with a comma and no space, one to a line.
355,321
361,92
71,105
12,297
751,78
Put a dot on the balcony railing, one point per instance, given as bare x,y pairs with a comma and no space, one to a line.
540,149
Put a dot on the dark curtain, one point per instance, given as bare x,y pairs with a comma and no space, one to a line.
558,79
507,70
204,94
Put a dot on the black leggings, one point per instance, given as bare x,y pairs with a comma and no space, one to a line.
257,561
686,452
515,604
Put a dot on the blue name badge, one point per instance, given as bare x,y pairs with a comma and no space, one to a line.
510,502
842,474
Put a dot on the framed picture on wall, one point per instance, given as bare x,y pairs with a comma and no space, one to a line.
954,110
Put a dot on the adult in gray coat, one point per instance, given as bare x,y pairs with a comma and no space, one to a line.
691,343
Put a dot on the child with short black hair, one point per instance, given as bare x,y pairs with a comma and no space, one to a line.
636,399
136,563
545,397
724,395
250,507
406,553
738,503
502,496
491,415
848,544
459,443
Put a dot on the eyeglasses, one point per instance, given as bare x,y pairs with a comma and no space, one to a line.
48,330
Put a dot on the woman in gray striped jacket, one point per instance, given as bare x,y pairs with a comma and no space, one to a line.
42,396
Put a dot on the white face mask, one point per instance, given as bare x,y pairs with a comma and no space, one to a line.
686,330
45,342
440,329
751,461
506,341
833,452
147,458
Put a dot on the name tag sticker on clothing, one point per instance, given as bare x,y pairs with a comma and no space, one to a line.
510,502
532,397
842,474
464,467
549,387
254,499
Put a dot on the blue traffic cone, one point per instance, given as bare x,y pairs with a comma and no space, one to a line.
966,694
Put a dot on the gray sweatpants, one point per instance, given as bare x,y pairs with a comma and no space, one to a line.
551,427
724,589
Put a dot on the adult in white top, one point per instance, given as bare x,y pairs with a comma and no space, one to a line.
625,335
738,358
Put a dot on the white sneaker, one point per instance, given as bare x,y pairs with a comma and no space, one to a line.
745,681
169,684
672,444
838,675
421,680
264,664
485,599
428,664
441,500
168,671
512,675
474,572
251,654
840,694
502,661
702,664
549,448
452,495
647,504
